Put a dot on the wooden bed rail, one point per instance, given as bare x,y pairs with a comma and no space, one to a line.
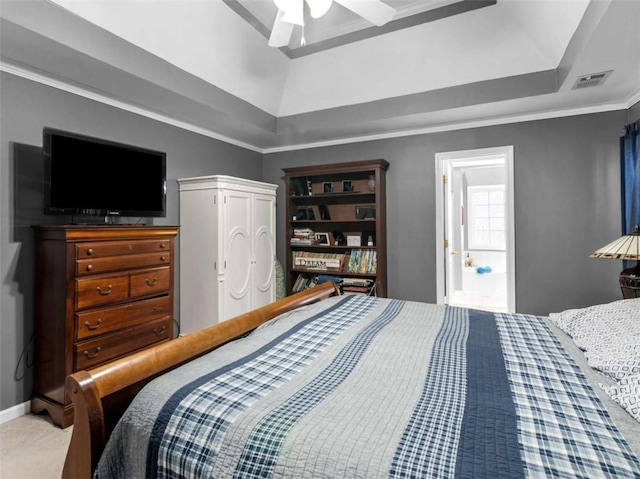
94,417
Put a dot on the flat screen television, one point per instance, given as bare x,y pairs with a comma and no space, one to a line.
88,176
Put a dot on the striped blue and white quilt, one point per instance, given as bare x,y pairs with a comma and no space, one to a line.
367,387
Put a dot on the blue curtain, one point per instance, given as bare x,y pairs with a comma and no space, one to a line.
630,167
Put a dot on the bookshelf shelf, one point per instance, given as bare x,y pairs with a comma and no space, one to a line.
345,205
321,247
334,273
318,223
335,198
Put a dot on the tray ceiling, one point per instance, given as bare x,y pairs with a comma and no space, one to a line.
204,65
340,26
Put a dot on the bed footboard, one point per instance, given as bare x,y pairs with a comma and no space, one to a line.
100,395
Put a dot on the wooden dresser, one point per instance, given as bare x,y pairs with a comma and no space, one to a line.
101,292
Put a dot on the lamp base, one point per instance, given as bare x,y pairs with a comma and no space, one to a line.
630,282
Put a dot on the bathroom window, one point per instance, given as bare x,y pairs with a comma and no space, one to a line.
486,217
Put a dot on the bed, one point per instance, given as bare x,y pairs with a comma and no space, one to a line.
320,384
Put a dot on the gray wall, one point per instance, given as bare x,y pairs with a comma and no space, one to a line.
634,113
26,108
567,204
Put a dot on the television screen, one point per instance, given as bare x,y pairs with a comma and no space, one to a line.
91,176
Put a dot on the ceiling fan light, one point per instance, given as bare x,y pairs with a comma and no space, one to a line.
294,11
284,5
318,8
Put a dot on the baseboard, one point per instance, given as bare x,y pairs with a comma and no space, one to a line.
14,412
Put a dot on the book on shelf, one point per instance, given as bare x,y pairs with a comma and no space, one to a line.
362,261
357,282
347,285
302,241
297,284
356,289
303,233
302,282
306,281
359,285
303,237
323,278
318,261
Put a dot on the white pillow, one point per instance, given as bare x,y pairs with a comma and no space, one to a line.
609,334
626,392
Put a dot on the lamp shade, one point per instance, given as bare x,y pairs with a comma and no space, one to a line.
625,247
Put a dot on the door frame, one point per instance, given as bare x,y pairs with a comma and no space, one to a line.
444,162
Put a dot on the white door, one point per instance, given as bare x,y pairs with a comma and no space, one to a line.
453,229
238,254
475,228
264,250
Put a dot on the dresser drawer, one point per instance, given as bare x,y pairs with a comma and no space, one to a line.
93,352
120,263
121,248
106,320
149,281
102,290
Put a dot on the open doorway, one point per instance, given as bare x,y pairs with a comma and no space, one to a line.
475,228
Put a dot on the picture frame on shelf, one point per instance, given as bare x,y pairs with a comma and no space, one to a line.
369,238
317,215
300,186
347,186
339,239
304,213
366,212
324,212
354,239
322,238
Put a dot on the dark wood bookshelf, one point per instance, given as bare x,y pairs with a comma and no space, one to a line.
354,206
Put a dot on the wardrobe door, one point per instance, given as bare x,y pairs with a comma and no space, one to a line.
263,249
238,254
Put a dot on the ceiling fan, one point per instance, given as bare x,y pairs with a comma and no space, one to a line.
291,12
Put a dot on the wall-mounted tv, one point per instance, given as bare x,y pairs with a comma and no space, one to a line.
88,176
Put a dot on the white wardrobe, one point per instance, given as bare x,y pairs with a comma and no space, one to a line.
227,248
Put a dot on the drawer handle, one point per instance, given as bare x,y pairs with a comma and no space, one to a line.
89,267
163,258
91,328
151,282
162,245
89,356
89,252
159,331
106,291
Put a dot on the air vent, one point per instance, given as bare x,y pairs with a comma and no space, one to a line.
594,79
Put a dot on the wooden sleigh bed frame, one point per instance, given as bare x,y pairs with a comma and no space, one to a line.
101,395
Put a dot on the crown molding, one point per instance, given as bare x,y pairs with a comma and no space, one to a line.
456,126
633,99
43,79
85,93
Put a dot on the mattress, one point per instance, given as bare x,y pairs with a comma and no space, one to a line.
357,386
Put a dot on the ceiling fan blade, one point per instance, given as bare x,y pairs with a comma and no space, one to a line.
281,32
374,11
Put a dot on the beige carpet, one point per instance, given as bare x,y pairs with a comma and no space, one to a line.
31,447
